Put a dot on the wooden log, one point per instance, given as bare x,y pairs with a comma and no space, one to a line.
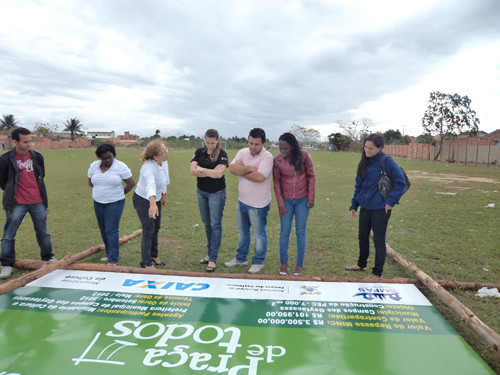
466,315
25,279
43,268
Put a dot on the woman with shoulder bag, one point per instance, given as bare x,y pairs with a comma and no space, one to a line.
375,211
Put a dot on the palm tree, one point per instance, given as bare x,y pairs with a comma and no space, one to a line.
74,127
8,122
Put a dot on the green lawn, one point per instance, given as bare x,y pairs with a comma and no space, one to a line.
449,236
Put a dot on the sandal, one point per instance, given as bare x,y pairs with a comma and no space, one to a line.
298,271
211,269
204,261
159,262
355,268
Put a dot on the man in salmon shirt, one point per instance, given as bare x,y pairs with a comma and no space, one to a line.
21,178
253,166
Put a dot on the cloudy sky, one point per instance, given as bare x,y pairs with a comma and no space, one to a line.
185,66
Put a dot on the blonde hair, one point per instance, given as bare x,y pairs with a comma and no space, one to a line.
212,133
152,150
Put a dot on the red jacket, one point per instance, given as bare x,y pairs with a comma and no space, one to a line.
291,184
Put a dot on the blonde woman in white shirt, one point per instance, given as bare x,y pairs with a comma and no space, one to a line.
149,197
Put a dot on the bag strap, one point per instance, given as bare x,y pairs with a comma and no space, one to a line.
382,164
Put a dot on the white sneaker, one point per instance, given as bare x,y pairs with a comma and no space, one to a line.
6,272
52,260
256,268
235,262
104,259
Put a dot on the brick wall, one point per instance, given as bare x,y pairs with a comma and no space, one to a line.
461,150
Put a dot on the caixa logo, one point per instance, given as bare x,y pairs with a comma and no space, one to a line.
382,294
173,285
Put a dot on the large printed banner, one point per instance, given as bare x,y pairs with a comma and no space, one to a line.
91,323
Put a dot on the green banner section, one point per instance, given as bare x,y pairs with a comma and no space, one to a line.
84,332
403,319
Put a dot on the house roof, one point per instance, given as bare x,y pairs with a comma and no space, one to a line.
495,135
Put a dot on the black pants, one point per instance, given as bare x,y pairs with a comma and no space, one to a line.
376,221
150,229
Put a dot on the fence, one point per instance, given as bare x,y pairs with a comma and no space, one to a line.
470,150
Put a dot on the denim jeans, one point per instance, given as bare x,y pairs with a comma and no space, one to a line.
13,220
211,207
375,220
297,207
250,217
150,229
108,217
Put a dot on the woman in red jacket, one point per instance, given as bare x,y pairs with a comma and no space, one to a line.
294,185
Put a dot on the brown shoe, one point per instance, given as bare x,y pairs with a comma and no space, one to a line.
355,268
373,276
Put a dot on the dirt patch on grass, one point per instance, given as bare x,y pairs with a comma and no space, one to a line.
447,178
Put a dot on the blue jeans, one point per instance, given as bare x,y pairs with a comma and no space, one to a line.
375,220
211,207
150,229
108,217
297,207
250,217
13,220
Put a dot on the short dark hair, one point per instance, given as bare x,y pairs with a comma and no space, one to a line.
258,133
15,133
104,148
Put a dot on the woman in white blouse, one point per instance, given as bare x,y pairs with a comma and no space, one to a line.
149,197
106,177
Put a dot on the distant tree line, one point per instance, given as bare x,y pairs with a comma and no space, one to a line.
72,126
190,141
447,116
344,142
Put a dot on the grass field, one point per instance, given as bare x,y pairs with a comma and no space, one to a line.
442,224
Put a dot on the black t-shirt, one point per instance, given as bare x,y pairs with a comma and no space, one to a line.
208,184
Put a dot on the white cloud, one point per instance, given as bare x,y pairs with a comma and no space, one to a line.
185,66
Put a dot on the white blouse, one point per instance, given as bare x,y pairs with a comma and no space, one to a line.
153,180
108,186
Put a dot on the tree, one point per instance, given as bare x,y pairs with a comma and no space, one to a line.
425,138
45,130
340,141
157,134
74,127
355,129
238,139
305,136
8,123
394,137
447,115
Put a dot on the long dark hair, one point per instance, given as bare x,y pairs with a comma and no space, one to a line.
212,133
378,141
297,158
